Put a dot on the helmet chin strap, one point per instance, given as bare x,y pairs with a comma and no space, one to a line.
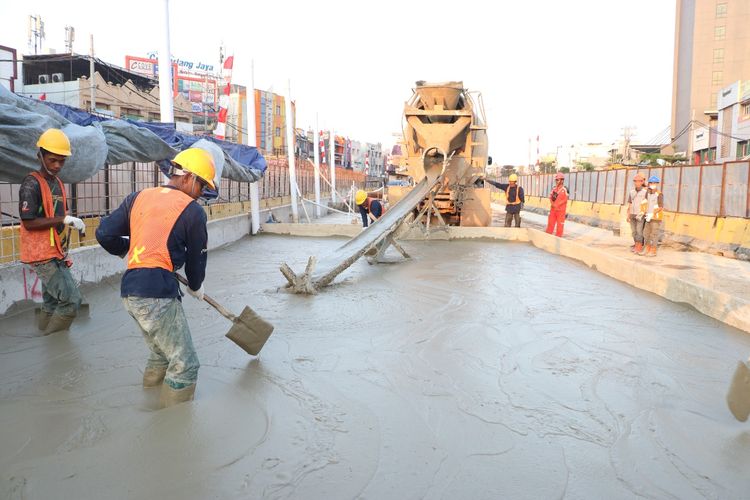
41,162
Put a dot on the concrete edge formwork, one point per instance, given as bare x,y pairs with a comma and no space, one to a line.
729,309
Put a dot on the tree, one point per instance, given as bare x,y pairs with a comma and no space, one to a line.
565,170
585,165
507,170
547,167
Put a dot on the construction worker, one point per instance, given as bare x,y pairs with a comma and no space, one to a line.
43,206
514,199
652,209
635,217
166,230
558,198
370,207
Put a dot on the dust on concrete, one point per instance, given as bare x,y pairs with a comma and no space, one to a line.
476,370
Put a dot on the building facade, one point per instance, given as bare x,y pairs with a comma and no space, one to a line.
732,138
711,51
270,122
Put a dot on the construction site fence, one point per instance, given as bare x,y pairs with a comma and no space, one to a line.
101,194
719,190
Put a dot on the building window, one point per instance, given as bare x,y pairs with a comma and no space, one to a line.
743,149
278,109
717,77
721,9
720,33
718,56
278,131
746,109
714,100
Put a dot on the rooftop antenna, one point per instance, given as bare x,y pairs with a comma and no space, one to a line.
36,31
70,36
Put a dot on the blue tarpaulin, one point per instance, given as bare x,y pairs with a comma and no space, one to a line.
96,141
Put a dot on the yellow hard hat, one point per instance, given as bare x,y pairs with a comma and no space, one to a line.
360,197
513,178
55,141
199,162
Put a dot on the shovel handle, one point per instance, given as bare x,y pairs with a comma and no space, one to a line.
212,302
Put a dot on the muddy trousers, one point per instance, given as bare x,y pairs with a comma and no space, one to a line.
510,218
652,233
165,330
60,293
556,218
636,227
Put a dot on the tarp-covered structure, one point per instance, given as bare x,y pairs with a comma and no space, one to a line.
97,141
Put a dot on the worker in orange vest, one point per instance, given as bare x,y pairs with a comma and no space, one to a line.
158,230
43,206
514,199
558,199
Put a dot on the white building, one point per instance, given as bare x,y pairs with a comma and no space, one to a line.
733,135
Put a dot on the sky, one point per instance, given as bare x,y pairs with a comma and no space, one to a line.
567,71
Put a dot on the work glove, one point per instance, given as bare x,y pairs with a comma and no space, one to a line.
648,217
77,223
198,294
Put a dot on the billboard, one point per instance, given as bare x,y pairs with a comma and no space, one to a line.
149,68
196,88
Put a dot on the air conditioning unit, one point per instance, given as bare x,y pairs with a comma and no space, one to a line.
44,79
57,78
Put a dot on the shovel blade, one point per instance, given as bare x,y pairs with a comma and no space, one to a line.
738,397
250,331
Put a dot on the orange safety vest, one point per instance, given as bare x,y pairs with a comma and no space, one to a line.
518,195
152,218
42,245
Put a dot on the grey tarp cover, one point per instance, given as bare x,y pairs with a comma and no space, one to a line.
23,120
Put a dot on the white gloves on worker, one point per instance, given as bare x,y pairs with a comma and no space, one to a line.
198,294
648,217
77,223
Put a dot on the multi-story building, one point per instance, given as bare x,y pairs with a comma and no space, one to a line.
711,52
270,122
64,79
732,136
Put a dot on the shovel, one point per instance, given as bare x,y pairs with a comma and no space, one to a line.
249,331
738,398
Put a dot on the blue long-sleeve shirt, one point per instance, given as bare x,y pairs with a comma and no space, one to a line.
187,245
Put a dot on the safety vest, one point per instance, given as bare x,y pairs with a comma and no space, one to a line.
650,203
42,245
152,218
518,196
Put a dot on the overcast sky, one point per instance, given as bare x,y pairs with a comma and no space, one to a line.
569,71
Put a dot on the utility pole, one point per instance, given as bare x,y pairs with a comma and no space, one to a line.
627,135
290,133
316,148
332,147
166,98
92,77
36,31
205,99
252,141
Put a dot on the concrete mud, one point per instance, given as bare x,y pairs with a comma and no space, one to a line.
474,370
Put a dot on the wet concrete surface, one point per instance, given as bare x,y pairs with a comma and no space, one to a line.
476,370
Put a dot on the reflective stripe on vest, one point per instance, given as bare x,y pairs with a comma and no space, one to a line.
152,219
41,245
507,196
649,203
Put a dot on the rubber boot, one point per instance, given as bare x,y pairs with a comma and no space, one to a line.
170,397
644,250
58,323
653,251
42,319
638,248
153,377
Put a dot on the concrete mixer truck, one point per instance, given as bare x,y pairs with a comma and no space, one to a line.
445,140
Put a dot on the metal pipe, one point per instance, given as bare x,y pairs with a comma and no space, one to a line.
316,164
166,99
252,140
290,133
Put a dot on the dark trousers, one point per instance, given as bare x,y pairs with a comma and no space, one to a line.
510,217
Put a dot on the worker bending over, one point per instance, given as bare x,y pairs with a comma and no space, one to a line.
514,199
370,207
558,199
166,230
43,205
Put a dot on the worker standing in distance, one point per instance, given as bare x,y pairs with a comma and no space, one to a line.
635,217
514,199
43,206
370,207
166,229
558,198
652,208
